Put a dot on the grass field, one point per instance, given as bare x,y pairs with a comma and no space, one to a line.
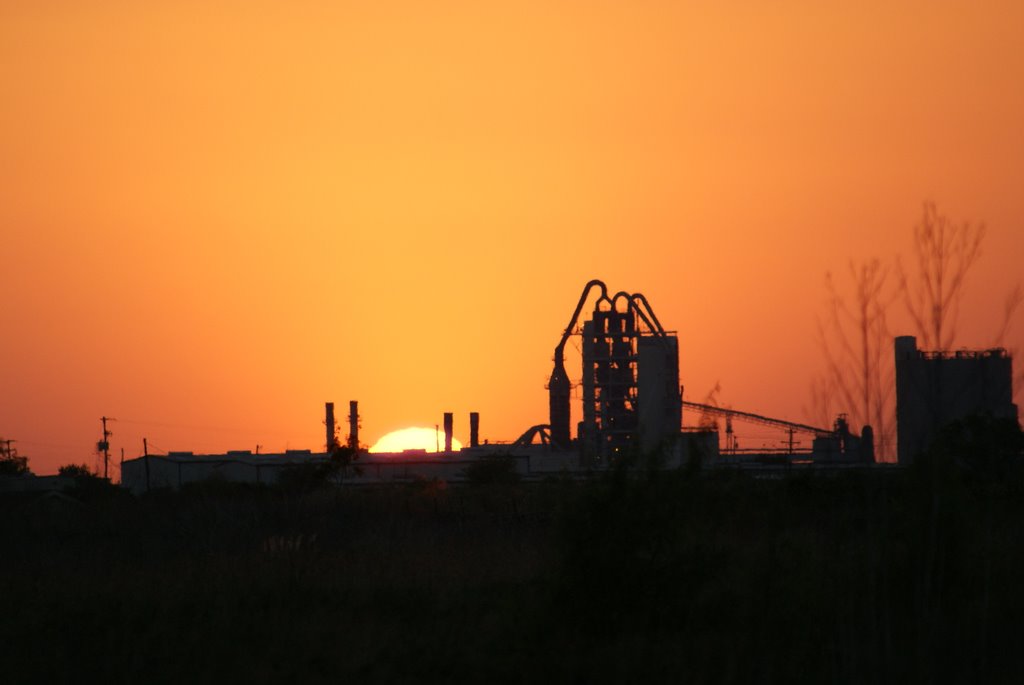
637,576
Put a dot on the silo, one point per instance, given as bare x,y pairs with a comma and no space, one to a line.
659,406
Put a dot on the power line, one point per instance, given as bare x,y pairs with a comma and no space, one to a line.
183,425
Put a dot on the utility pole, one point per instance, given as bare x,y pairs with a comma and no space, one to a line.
104,445
145,452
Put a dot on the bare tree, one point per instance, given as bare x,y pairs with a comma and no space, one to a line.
707,420
821,411
854,335
855,341
945,252
1010,308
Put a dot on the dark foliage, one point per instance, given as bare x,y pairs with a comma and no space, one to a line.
76,471
636,576
309,476
13,465
980,446
493,470
90,486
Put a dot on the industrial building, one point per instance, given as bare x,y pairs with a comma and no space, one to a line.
174,470
632,399
532,460
632,405
935,388
630,380
832,447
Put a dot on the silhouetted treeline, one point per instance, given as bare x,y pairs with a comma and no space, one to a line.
871,576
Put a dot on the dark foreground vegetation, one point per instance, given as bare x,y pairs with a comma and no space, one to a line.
908,576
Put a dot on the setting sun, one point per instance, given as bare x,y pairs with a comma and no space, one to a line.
428,439
190,187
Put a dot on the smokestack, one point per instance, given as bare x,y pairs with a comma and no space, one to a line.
353,425
329,422
448,431
474,429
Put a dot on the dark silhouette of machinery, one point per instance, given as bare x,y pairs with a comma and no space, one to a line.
630,377
541,432
837,443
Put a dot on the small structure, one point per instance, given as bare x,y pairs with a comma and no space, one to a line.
934,388
177,469
152,472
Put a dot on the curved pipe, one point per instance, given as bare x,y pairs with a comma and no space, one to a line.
543,431
636,302
560,348
647,305
559,387
622,294
640,312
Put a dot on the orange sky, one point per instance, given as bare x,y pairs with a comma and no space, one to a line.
216,216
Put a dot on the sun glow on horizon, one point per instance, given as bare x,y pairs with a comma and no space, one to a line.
428,439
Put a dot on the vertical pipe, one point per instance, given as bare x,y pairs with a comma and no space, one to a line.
448,420
353,425
329,422
474,429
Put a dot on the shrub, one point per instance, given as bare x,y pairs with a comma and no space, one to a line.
495,470
13,465
76,471
313,475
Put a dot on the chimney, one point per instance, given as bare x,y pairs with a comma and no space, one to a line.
447,431
474,429
353,425
329,422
